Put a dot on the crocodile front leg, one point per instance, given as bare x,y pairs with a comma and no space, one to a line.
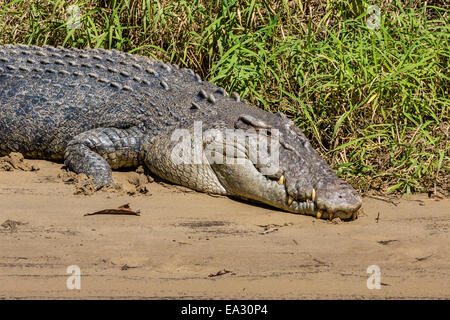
97,151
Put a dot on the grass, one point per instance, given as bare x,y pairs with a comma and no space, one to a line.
374,103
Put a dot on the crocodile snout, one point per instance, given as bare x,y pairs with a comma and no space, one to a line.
338,199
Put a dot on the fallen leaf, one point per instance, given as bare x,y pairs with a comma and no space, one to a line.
269,230
219,273
122,210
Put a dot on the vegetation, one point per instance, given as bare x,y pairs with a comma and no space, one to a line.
374,102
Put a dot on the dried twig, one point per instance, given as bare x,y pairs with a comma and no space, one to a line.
219,273
12,225
269,230
122,210
383,199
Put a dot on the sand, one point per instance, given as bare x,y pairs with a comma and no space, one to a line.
188,245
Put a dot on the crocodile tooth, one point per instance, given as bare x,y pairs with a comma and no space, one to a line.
354,216
331,215
302,206
319,214
313,195
290,200
281,180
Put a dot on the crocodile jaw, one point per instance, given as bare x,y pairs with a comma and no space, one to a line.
245,181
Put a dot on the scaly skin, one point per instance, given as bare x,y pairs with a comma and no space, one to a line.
100,110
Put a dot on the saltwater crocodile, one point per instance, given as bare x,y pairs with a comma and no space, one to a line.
98,110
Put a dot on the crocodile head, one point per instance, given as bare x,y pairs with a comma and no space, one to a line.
283,170
292,177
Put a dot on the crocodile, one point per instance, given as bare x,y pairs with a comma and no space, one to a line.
97,110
